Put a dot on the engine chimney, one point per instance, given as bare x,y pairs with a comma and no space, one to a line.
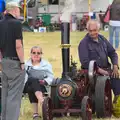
65,44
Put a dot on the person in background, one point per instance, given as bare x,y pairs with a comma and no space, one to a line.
93,16
13,71
35,87
114,23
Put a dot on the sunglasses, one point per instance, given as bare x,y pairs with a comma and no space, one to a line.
36,53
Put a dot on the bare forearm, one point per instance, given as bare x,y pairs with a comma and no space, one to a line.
102,71
115,66
20,53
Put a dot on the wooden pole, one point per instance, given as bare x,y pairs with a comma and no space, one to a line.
24,10
89,7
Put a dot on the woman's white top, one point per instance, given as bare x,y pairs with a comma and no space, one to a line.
44,65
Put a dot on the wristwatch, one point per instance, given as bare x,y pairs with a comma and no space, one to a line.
22,63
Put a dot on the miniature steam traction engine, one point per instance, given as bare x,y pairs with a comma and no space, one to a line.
79,92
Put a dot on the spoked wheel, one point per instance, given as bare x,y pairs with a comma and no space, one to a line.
47,109
86,108
91,94
103,97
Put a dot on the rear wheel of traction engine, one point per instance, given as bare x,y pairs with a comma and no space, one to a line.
47,109
103,97
86,108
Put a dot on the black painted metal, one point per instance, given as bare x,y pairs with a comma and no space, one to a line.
65,39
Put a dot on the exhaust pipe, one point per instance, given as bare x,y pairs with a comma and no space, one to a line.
65,45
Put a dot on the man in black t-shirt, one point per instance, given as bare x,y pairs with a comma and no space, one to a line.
13,72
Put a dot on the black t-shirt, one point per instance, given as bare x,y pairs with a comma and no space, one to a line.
10,31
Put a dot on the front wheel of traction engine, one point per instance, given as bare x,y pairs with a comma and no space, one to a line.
47,109
86,108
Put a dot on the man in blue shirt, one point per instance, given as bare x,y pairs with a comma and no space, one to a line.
96,47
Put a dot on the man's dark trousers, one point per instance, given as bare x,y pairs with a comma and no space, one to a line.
12,87
115,84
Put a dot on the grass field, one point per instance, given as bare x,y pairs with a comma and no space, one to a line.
50,42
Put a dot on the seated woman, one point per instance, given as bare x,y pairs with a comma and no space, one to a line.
35,87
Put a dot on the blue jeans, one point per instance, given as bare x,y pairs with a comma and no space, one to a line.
114,30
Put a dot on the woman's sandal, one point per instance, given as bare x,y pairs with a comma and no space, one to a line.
36,116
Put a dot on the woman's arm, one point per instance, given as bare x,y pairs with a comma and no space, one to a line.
49,73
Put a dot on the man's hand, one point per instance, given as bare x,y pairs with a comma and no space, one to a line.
115,73
22,66
102,72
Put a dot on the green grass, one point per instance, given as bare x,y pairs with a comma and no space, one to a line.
50,42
